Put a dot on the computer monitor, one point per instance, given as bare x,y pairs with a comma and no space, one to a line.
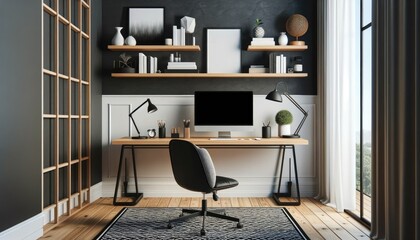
224,111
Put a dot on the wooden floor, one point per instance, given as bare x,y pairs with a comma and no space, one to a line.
317,220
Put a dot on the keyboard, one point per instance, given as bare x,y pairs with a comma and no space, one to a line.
222,139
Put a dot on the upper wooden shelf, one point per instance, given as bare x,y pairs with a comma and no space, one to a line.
155,48
278,48
209,75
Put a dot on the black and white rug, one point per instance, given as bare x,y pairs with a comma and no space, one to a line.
151,223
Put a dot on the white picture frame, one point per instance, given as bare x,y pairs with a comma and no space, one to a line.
223,50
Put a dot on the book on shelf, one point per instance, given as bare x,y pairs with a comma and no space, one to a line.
258,70
257,66
263,41
180,37
181,71
277,63
182,65
147,64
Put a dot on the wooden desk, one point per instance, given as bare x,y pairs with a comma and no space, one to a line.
247,142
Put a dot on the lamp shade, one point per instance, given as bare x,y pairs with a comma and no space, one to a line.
151,108
274,96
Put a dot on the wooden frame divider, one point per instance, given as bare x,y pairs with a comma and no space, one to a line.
65,202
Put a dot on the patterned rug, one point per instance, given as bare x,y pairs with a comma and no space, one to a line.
151,223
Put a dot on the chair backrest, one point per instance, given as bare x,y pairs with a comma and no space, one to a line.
191,169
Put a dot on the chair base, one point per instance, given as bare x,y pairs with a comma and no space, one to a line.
218,213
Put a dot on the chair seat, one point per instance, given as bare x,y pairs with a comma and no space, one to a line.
224,182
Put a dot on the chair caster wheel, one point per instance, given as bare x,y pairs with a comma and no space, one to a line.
203,232
239,225
170,226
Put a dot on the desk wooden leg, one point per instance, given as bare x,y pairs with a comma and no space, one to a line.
134,196
288,193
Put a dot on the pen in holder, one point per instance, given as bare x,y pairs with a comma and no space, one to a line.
162,129
187,131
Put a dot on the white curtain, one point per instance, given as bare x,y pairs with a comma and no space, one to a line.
338,74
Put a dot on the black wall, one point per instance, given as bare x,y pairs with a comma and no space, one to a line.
21,114
208,14
96,92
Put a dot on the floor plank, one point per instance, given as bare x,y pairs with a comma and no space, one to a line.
317,220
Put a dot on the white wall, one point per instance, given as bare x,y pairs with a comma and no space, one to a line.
256,169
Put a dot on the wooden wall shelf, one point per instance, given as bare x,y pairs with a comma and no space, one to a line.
155,48
278,48
209,75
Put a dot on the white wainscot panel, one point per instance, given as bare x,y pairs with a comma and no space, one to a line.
256,169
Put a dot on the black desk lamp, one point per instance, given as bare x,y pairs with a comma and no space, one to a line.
276,96
150,109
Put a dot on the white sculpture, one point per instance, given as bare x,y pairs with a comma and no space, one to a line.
130,40
188,23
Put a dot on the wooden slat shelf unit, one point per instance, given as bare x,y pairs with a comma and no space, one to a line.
155,48
66,113
209,75
287,48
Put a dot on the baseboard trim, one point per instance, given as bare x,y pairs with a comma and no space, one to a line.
29,229
96,192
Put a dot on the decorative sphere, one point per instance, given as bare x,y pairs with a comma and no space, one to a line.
130,40
296,25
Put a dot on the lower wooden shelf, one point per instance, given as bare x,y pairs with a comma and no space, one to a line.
209,75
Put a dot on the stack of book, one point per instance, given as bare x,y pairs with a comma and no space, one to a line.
147,64
181,67
258,69
278,63
263,42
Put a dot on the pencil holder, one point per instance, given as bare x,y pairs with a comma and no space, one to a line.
162,132
187,133
266,132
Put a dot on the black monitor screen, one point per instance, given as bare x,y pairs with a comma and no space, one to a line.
223,108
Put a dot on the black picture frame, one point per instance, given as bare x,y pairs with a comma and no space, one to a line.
146,25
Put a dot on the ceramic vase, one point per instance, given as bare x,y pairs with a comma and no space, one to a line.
259,32
118,38
284,130
283,40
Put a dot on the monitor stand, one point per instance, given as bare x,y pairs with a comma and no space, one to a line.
223,134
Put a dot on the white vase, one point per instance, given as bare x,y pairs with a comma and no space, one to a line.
283,40
130,40
118,38
284,130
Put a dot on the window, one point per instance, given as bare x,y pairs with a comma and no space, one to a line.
364,118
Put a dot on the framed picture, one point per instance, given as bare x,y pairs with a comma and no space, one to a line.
223,50
146,25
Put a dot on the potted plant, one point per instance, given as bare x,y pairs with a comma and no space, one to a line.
258,31
284,118
125,64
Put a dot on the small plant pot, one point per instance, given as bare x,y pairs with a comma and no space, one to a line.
284,130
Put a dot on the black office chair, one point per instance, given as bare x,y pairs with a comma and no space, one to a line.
193,170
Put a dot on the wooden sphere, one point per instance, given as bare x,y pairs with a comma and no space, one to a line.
296,25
